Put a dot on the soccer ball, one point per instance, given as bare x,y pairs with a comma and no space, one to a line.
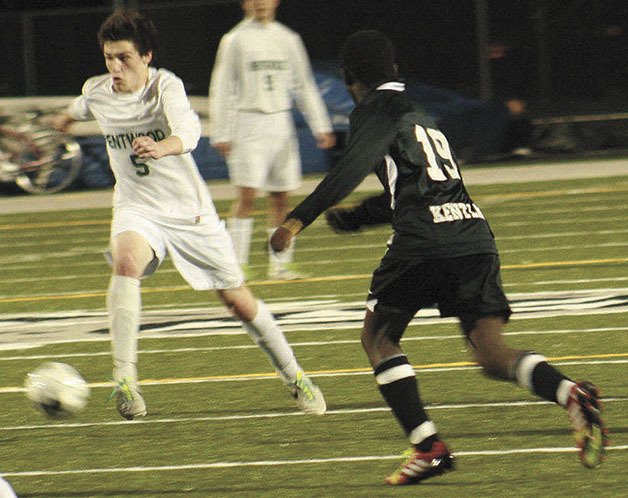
57,389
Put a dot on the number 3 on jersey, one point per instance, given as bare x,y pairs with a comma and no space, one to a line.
141,169
435,143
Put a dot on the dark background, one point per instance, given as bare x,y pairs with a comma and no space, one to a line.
586,42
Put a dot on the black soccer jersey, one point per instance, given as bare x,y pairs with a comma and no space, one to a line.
430,210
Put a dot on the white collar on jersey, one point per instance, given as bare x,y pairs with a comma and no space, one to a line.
396,86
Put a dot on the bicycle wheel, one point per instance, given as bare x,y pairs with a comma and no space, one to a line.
50,164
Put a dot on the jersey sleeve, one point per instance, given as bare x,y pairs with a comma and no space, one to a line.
223,92
306,93
78,109
182,120
368,143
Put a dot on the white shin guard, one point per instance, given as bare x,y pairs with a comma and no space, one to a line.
124,306
265,332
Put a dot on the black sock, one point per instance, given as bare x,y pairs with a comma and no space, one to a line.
545,381
535,373
426,445
399,387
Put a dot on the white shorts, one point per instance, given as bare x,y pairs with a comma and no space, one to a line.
265,152
202,252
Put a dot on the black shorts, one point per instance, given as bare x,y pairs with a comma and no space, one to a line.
467,287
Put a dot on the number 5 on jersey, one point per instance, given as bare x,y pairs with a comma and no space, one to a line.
141,168
435,143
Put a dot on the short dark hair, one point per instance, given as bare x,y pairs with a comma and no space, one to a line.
369,57
132,26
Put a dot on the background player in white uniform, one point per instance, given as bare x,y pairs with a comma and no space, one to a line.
162,206
261,69
6,491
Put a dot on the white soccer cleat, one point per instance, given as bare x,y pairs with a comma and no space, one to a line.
129,400
308,395
286,271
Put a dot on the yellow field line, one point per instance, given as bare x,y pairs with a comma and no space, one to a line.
272,375
565,263
330,278
369,370
55,224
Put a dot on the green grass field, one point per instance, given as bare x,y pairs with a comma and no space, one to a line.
221,424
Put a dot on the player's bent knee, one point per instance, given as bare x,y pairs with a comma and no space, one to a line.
127,268
240,302
384,327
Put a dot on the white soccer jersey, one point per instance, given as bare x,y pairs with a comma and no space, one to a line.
262,68
170,187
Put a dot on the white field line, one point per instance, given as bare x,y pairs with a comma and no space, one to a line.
313,374
594,207
278,463
565,221
271,415
523,201
406,339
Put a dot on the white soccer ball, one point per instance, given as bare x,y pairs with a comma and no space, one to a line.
57,389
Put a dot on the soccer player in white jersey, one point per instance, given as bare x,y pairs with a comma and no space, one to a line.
261,69
162,206
6,491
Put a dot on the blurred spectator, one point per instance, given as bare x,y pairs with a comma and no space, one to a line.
510,86
610,55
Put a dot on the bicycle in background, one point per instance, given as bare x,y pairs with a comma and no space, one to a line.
34,156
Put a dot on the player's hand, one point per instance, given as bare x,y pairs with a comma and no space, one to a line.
342,220
60,121
223,148
280,240
282,237
146,147
325,140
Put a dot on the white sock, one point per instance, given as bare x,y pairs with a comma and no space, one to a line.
562,393
124,304
241,231
279,260
270,338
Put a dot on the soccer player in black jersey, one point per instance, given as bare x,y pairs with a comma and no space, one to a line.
442,252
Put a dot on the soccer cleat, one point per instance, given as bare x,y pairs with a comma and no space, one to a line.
129,400
308,395
418,466
287,271
584,408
